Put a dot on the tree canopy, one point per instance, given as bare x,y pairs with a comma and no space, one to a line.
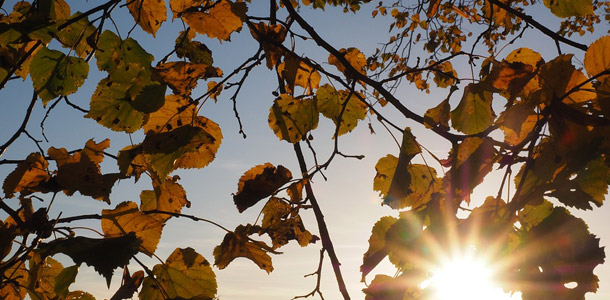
542,123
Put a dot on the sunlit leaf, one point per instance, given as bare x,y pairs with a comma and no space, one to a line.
179,6
444,74
114,53
269,36
219,21
182,77
597,59
237,244
104,255
291,119
517,122
472,160
75,36
54,74
534,213
64,279
44,272
167,196
184,275
28,174
570,8
149,14
353,56
559,77
474,113
15,286
283,224
195,51
258,183
438,115
126,218
296,72
335,105
377,250
111,107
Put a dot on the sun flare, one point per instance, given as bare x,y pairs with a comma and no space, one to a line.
465,278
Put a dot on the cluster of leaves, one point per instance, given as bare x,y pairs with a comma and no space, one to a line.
554,127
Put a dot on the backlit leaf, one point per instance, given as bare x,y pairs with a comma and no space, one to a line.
167,196
75,36
79,295
54,74
258,183
534,213
182,77
184,275
331,104
104,255
44,271
438,115
195,51
14,288
269,36
597,59
179,6
474,113
377,250
219,21
126,218
149,14
64,279
291,119
112,108
283,224
517,122
297,72
570,8
236,244
472,160
28,174
525,56
115,53
559,77
444,74
353,56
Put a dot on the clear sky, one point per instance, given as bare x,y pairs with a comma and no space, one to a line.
347,199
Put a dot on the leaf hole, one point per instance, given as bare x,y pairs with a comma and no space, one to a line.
571,285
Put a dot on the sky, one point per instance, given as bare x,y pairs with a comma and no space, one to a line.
350,205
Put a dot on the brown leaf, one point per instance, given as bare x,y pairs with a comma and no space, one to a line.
28,174
182,77
258,183
149,14
237,244
219,21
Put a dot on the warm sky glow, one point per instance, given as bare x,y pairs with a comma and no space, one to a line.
465,278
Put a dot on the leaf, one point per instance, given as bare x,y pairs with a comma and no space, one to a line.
112,108
79,295
167,196
149,14
258,183
195,51
474,113
180,6
219,21
184,275
115,54
54,74
27,176
16,282
354,57
570,254
444,73
126,218
510,76
104,255
597,59
64,279
296,72
559,76
335,105
75,35
377,250
284,224
214,89
182,77
401,181
269,36
588,185
291,119
237,244
80,171
517,122
438,115
534,213
570,8
44,271
525,56
472,160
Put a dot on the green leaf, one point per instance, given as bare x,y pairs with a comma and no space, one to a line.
104,255
149,14
332,104
54,74
114,53
64,279
570,8
237,244
291,119
111,108
377,250
195,51
438,115
126,218
534,213
75,36
474,113
184,275
258,183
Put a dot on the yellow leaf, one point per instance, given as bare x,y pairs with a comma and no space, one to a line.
526,56
570,8
474,113
353,56
258,183
179,6
597,59
219,21
167,196
331,104
214,89
182,77
269,36
126,218
559,76
149,14
297,72
291,119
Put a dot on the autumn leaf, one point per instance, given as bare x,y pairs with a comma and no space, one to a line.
283,224
258,183
17,279
195,51
533,213
111,107
179,6
219,21
114,53
167,196
570,8
237,244
269,36
444,74
75,35
354,57
126,218
54,74
597,59
182,77
291,119
28,174
343,107
377,250
296,72
472,160
149,14
44,271
559,76
438,115
104,255
474,113
184,275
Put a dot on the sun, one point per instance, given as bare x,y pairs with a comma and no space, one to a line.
465,277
